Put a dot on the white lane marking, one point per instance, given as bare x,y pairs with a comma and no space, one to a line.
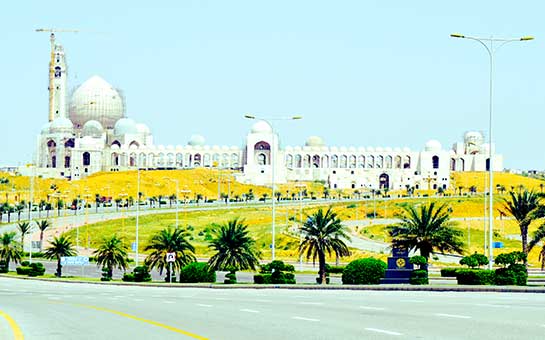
249,311
383,331
138,300
490,305
412,301
168,301
311,303
53,298
304,319
221,299
262,300
372,308
203,305
453,316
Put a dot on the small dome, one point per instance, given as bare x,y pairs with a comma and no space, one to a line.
379,149
196,140
314,141
46,128
92,128
61,124
388,149
406,149
143,129
125,126
433,145
370,149
397,149
261,127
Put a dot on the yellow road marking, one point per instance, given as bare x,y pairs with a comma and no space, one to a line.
17,332
151,322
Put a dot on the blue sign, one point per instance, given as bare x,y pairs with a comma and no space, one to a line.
74,261
497,245
133,246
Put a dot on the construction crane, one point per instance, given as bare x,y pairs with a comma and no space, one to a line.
52,64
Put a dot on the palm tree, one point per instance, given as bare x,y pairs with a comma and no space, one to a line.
19,207
539,235
111,253
323,234
59,247
24,228
10,250
524,206
43,225
170,240
234,247
426,229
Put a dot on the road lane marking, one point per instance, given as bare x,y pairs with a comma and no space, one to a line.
249,311
262,300
490,305
17,332
203,305
311,303
383,331
453,316
304,319
372,308
168,302
151,322
412,301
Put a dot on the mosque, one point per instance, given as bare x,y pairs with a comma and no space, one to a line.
91,132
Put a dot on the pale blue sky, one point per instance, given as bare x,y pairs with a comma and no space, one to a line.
362,73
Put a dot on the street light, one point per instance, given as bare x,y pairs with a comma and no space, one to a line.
301,187
269,121
488,44
177,190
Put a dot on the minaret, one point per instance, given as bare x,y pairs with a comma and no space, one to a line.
57,81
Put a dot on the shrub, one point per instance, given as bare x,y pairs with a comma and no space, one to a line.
419,277
516,275
475,277
260,278
420,261
128,277
334,269
23,270
448,272
140,274
276,272
364,271
474,260
3,267
230,278
197,272
36,269
25,264
105,275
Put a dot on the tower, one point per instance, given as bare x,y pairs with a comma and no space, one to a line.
57,81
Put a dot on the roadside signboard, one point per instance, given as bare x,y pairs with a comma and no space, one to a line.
74,260
171,257
133,246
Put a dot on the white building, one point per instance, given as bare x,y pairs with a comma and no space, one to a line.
91,133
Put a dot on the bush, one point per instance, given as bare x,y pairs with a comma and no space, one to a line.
25,264
230,278
23,270
334,269
276,272
141,274
364,271
105,275
420,261
36,269
262,278
3,267
128,277
475,277
197,272
419,277
474,260
448,272
512,276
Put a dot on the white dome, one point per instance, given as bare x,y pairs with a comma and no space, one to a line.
388,149
196,140
143,129
370,149
95,99
406,149
45,129
397,149
379,149
314,141
261,127
433,145
61,124
92,128
473,134
125,126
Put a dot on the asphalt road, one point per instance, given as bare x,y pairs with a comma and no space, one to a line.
46,310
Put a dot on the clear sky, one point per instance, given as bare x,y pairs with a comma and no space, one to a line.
361,73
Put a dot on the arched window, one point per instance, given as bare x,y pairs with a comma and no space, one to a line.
115,159
116,142
180,159
380,162
488,164
86,159
67,161
306,161
297,161
132,159
225,160
452,164
316,161
170,159
142,160
325,161
289,161
407,162
398,162
435,162
161,161
261,159
352,162
371,162
388,162
344,160
361,161
334,161
234,160
197,160
53,161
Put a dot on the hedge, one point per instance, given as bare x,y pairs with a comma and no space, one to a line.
364,271
419,277
475,277
449,272
197,272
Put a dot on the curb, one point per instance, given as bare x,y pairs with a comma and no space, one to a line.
401,287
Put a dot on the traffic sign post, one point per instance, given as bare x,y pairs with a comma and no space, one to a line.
171,257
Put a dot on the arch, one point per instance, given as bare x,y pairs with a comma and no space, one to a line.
115,159
453,164
151,160
116,142
53,160
289,161
407,162
361,161
462,164
161,160
334,161
298,161
132,159
69,143
142,160
352,161
207,160
170,160
371,162
261,159
225,160
397,162
384,181
66,161
380,162
435,162
180,160
344,161
488,164
316,161
134,143
234,160
197,160
388,164
216,159
86,158
306,161
325,161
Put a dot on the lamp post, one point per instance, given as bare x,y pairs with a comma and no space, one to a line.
177,190
137,213
269,122
492,45
301,187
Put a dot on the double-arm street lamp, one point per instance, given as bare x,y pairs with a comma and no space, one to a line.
272,162
492,45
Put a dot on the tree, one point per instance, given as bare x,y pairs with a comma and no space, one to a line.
426,229
524,206
169,240
233,247
10,250
42,225
111,252
24,229
59,247
538,236
323,233
19,207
